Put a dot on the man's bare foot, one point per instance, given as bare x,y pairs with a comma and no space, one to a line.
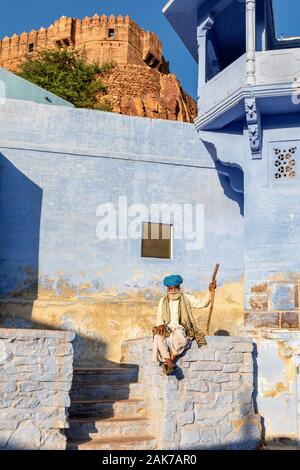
173,358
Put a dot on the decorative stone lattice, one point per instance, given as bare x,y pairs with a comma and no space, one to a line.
285,163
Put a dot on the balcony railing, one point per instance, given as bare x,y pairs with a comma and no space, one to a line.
223,85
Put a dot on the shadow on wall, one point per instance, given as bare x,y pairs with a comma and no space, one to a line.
88,351
255,390
20,215
231,177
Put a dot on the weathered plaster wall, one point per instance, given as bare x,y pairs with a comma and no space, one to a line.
102,325
271,228
277,360
36,371
56,272
209,404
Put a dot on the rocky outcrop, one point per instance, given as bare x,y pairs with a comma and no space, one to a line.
141,91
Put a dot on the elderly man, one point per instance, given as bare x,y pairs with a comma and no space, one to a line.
176,327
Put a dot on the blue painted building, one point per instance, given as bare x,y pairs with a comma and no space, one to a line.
69,166
68,176
249,118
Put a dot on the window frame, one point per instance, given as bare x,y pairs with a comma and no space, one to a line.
171,240
113,35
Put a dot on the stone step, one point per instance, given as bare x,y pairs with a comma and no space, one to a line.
92,428
84,428
133,443
117,391
107,408
104,375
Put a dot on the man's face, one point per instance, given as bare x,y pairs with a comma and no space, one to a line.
173,289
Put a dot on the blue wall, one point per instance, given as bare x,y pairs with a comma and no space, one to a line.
272,210
14,87
59,164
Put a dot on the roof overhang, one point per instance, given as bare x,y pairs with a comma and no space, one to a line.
183,17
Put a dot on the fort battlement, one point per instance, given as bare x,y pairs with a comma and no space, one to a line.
100,38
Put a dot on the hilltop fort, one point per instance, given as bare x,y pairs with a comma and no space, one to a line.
140,83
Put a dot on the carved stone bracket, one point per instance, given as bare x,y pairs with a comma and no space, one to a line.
253,119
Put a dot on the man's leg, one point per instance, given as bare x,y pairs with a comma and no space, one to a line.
178,342
163,351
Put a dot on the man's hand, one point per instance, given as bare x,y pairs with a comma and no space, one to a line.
212,285
159,330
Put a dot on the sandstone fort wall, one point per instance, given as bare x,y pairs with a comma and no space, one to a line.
100,39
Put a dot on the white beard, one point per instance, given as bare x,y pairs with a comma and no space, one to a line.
175,296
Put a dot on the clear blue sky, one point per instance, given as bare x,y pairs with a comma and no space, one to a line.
23,15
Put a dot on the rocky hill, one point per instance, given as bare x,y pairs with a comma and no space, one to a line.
142,91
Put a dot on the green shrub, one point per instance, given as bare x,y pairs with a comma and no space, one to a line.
65,73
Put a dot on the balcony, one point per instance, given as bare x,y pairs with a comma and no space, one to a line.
277,83
220,94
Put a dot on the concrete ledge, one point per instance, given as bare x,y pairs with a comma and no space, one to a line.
36,334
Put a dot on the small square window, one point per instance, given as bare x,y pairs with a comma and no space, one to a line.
157,240
111,33
31,47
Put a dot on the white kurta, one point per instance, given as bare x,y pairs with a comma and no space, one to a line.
174,307
177,342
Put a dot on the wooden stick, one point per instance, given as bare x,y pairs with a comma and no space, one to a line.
212,299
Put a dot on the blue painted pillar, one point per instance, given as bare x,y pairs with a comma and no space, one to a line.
203,28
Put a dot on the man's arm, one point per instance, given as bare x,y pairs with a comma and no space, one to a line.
199,303
202,303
